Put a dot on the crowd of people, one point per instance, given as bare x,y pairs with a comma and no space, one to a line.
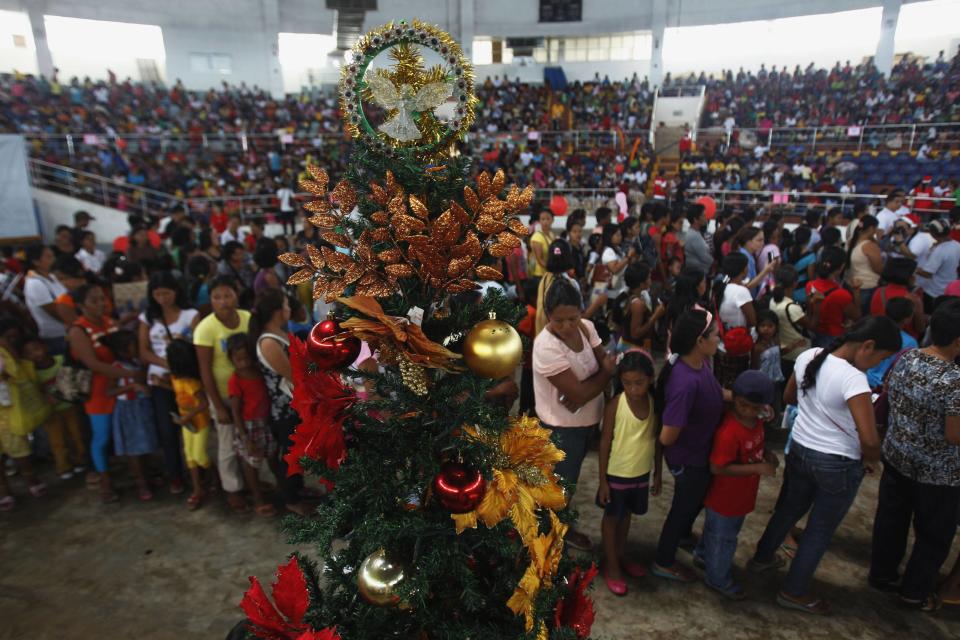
761,326
170,351
188,143
845,95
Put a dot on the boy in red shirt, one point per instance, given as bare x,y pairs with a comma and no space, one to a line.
737,461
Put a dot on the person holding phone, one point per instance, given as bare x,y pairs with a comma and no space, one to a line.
770,254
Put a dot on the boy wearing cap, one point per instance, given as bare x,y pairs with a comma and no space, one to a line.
737,461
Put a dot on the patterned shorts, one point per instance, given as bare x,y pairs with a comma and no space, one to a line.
261,443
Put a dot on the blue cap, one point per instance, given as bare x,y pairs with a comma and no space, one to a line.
754,386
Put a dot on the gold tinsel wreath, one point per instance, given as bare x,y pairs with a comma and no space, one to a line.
401,39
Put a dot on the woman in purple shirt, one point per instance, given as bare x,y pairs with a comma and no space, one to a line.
691,405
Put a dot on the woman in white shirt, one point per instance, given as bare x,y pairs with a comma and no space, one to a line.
89,256
735,304
614,259
40,291
834,442
168,317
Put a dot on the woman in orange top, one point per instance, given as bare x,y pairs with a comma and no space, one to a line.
84,340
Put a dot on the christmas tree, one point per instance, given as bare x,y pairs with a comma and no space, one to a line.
445,519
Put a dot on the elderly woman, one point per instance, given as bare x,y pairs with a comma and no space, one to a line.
570,373
921,468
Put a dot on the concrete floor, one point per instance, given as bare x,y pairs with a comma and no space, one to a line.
73,569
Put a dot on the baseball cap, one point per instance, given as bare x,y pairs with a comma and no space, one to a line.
754,386
82,215
928,178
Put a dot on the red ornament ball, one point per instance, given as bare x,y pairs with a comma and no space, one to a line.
330,347
459,488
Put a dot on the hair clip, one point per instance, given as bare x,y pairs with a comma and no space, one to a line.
557,251
725,279
673,358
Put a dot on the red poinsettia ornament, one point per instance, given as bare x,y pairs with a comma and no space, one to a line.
575,610
284,620
321,400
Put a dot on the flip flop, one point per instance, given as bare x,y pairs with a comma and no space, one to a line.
194,502
6,503
38,490
145,495
817,607
950,601
266,510
670,574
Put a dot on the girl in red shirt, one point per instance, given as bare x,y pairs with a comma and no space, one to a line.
837,306
250,405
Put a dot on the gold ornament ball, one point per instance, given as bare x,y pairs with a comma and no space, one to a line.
378,577
493,349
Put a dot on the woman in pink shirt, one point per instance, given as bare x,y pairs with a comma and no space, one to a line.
570,373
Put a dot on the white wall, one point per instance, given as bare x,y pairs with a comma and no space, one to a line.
926,28
56,209
82,47
247,50
676,112
821,39
22,59
582,71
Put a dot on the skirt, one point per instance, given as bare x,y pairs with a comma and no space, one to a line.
134,428
258,443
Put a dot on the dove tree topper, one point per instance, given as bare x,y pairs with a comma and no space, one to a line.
407,91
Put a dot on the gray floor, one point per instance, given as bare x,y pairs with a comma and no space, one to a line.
73,569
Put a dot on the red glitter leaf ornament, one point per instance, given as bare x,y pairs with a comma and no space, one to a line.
282,619
321,400
575,610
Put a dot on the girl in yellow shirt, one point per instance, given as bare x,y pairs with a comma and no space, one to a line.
629,451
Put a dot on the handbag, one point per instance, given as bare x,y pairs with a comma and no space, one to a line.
737,341
73,381
29,408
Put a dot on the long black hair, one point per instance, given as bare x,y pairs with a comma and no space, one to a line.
881,329
800,242
831,259
687,331
559,257
610,230
685,294
734,263
786,278
164,280
267,302
866,222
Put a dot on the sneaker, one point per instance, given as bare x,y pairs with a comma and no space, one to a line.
77,470
66,475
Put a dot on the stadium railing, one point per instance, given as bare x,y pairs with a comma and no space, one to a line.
843,139
798,202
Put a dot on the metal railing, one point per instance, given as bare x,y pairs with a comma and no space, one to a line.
73,145
846,138
99,189
129,198
797,202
